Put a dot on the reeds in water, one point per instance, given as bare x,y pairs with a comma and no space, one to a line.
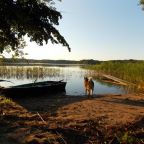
32,72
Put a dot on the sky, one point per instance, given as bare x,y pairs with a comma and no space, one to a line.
96,29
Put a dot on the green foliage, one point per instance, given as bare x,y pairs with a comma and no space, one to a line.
5,101
142,2
33,18
126,138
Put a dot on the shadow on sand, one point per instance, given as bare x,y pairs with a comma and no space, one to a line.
33,125
46,103
127,101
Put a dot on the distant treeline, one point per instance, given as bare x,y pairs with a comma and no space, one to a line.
9,61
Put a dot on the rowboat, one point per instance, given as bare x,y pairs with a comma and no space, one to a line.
35,88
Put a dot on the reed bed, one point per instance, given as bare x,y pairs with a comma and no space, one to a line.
33,72
132,72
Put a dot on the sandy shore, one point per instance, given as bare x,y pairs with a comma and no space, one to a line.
72,119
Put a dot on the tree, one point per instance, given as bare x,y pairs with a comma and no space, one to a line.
142,4
33,18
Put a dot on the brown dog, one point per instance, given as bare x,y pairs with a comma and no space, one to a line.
89,86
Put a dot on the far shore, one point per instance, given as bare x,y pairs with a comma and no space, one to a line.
39,64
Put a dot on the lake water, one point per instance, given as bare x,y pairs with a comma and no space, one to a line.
73,75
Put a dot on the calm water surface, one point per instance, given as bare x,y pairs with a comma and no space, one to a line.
73,75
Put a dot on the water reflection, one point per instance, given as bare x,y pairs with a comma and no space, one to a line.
73,75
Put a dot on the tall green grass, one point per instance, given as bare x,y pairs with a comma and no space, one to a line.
130,71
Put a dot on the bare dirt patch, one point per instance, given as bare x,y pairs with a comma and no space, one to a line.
72,119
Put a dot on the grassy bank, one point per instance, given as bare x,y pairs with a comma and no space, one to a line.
130,71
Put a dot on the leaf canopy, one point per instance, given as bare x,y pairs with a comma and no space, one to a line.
33,18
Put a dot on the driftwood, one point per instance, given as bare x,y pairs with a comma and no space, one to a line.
41,118
117,80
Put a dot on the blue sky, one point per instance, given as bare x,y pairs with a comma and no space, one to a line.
97,29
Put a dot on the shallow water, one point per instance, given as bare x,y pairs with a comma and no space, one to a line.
73,75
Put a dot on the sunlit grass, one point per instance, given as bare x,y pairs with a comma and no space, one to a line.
5,100
132,72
